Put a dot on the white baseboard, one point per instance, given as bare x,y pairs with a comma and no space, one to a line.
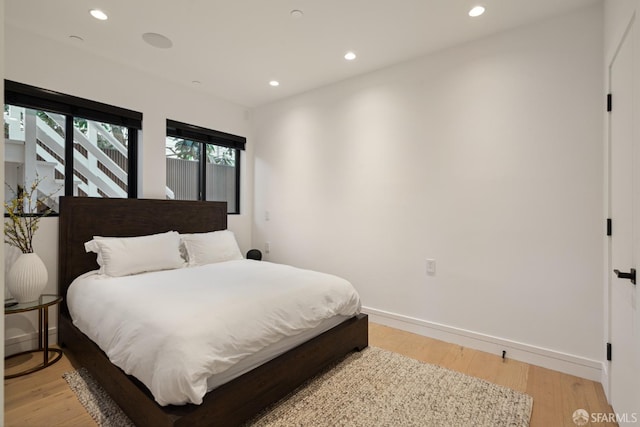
550,359
26,342
604,380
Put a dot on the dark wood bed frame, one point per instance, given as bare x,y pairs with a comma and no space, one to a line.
231,404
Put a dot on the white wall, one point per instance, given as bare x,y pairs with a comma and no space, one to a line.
2,194
486,157
70,69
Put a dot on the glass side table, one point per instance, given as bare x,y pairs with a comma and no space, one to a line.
42,304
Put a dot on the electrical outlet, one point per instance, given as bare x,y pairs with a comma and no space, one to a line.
267,247
431,267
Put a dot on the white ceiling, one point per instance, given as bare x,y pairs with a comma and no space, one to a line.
235,47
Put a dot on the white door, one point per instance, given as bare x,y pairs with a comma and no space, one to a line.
624,204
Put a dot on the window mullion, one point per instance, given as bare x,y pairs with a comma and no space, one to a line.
237,165
68,155
132,173
203,171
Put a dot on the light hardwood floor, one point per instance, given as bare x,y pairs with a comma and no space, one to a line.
44,399
555,395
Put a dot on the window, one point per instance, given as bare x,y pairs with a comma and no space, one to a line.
71,146
203,164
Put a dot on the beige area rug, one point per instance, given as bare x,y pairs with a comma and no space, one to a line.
372,388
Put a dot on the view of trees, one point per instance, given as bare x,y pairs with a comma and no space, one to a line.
176,147
119,132
189,150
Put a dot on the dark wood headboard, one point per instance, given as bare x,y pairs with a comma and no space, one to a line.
81,218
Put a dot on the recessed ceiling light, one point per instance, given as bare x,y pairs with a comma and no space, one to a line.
296,14
76,38
196,82
274,83
157,40
98,14
476,11
349,56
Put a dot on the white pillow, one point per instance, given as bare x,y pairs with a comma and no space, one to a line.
122,256
207,248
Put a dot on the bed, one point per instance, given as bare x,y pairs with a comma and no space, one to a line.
231,403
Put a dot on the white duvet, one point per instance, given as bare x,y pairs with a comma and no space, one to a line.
174,329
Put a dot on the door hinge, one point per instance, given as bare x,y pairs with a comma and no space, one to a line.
609,227
609,351
609,102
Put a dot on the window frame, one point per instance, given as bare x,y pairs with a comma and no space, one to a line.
23,95
206,136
